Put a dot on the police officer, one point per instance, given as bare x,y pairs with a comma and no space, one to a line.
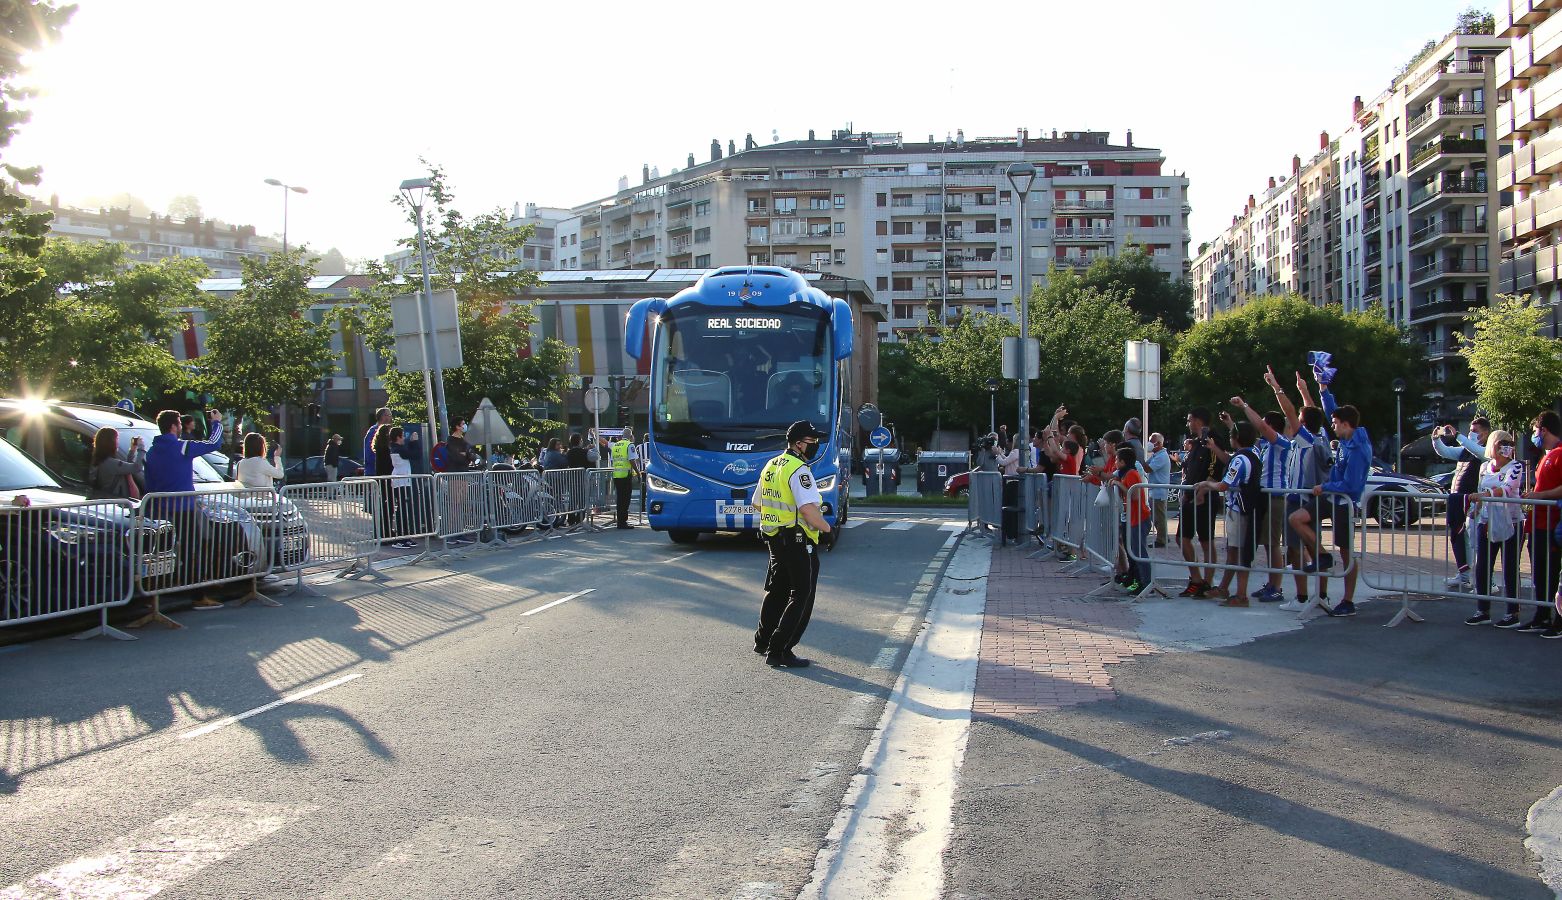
791,524
622,453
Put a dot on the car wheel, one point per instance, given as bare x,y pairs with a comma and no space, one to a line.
16,590
681,536
1392,511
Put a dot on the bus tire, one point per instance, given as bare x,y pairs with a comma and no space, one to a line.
683,536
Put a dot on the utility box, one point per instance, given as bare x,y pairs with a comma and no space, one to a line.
936,467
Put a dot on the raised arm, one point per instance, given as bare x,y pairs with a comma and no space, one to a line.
1293,422
1257,421
213,438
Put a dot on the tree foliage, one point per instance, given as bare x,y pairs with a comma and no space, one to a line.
1227,356
91,329
1134,277
1475,20
262,349
1516,369
28,25
184,206
477,257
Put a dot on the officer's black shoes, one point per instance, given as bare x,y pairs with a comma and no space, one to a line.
787,660
760,650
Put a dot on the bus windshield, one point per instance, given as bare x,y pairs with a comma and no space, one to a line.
740,375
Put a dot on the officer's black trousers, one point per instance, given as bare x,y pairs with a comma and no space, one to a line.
789,592
624,488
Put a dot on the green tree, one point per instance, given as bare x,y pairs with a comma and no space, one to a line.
92,329
1227,356
28,25
184,206
1516,369
1475,20
475,256
1133,277
262,349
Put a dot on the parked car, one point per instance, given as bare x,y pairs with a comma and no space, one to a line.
958,485
59,436
74,557
1401,500
311,470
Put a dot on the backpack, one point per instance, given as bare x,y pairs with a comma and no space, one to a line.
1254,500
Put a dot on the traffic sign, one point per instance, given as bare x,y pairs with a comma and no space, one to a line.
597,399
880,437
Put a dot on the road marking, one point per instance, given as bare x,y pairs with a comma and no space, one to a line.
901,525
158,856
547,606
952,526
853,523
885,659
685,556
894,822
209,727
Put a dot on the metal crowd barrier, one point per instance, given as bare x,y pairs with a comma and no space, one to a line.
1034,495
219,537
569,492
1411,552
404,508
984,503
462,499
514,499
338,528
1280,562
61,559
601,497
1071,497
1102,541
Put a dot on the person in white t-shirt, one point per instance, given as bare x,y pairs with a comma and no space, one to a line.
255,470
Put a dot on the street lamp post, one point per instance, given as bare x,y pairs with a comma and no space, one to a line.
1399,425
992,405
1021,174
286,189
413,189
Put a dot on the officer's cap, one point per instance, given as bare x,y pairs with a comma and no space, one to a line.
802,430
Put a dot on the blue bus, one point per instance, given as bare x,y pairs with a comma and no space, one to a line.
735,359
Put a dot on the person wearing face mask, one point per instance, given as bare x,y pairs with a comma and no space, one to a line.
1544,553
1468,452
791,524
1497,527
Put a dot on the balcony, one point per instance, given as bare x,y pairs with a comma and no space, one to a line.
643,232
916,238
644,256
1373,223
1084,235
1081,205
617,237
1447,150
1447,187
1373,258
681,223
1445,228
1523,273
1450,68
1457,307
1441,109
591,243
782,211
678,247
1455,266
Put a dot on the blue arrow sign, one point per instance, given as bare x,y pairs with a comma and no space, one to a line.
880,437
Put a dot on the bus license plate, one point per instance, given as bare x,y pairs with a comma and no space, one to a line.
737,509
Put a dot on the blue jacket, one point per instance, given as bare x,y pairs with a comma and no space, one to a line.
171,460
368,449
1349,475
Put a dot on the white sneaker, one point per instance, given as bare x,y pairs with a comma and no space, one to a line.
1459,581
1292,606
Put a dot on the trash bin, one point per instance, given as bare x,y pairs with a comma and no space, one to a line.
936,467
881,470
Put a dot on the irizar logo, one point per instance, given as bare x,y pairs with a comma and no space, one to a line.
738,467
732,446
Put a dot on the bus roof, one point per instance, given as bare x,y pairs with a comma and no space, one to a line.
739,286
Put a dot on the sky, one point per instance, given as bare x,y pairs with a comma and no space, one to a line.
553,102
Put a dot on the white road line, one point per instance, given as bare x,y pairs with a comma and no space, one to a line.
894,823
684,556
853,523
162,854
952,526
901,525
209,727
885,659
547,606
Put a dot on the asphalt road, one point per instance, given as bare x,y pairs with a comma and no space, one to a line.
472,739
1339,760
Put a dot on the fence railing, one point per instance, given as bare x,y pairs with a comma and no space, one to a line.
63,559
219,537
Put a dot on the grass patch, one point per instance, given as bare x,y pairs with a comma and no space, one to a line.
909,500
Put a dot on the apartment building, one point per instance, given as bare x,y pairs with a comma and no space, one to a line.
932,227
1529,92
545,250
150,238
1393,214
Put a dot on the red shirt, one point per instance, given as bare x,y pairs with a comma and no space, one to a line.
1069,465
1547,477
1139,509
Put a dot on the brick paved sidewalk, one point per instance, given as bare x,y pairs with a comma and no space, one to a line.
1043,647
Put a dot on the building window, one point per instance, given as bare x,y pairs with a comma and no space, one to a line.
881,283
905,255
1005,282
881,256
840,201
786,205
701,235
758,204
1005,254
702,261
786,259
702,208
881,227
1038,224
818,202
840,227
758,234
840,257
882,199
901,284
820,259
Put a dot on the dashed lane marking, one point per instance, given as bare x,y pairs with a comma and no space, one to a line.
684,556
548,606
901,525
853,523
209,727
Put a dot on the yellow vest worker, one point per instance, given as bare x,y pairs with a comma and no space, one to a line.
622,453
790,522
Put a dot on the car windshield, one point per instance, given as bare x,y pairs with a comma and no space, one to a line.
18,471
742,375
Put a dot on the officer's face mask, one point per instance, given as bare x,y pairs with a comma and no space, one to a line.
810,450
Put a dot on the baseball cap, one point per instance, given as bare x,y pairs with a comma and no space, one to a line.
802,430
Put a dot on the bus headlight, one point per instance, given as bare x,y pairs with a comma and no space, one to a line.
665,486
827,483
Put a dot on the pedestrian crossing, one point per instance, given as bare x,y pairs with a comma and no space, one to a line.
898,524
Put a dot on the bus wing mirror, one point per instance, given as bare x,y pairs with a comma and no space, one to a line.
841,325
635,331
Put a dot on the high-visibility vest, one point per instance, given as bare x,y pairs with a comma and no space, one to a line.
620,454
777,503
